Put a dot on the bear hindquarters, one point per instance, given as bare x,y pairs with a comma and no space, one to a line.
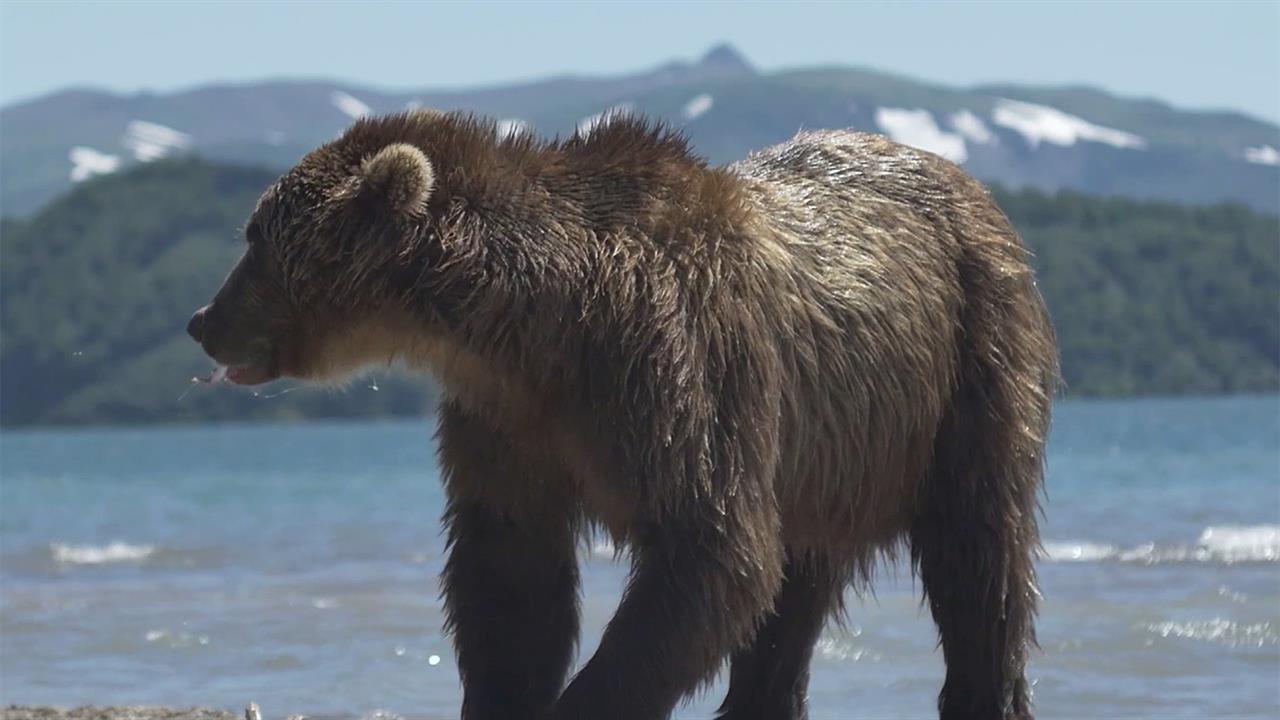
975,534
769,679
511,580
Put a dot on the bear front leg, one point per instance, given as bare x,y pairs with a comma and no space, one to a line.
696,594
511,580
769,679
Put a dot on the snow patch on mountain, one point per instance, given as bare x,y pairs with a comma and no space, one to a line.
151,141
87,162
697,106
1041,123
590,122
918,129
512,126
972,128
348,104
1262,155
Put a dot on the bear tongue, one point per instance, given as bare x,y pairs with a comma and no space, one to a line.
247,374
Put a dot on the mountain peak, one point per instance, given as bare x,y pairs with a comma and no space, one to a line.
725,58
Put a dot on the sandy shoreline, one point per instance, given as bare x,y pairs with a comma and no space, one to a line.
155,712
135,712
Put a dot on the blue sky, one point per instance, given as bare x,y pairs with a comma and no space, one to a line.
1202,55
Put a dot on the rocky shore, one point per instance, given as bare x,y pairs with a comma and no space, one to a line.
153,712
137,712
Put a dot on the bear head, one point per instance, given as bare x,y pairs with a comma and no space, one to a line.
319,290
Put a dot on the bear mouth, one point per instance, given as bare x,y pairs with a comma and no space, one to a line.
243,373
249,374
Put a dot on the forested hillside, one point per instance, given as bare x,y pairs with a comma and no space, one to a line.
1151,298
1148,298
95,291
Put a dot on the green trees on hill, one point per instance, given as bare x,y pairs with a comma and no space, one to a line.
95,290
1152,298
94,295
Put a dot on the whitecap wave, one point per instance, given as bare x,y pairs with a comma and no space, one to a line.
1218,630
99,554
839,650
176,639
1241,543
1227,544
1078,551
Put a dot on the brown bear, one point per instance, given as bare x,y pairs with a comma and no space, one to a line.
756,378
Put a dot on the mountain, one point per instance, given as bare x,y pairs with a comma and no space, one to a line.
1048,138
95,290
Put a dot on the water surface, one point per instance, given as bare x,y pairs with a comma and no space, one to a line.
296,565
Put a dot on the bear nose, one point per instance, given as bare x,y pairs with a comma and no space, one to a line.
195,327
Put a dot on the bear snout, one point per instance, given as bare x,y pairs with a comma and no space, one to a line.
195,326
208,327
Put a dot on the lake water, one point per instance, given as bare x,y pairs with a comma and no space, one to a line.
296,565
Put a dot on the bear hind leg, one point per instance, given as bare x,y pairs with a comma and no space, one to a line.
974,541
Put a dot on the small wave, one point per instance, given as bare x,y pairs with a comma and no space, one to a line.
1227,544
1220,631
1242,543
99,554
176,639
834,649
1078,551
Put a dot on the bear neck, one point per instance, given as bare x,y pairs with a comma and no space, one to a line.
527,268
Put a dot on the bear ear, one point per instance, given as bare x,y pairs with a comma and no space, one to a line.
399,175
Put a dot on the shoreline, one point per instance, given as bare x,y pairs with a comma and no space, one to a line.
123,712
428,413
151,712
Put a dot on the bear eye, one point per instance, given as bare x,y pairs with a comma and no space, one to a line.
252,234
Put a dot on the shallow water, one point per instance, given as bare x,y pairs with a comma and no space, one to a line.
295,565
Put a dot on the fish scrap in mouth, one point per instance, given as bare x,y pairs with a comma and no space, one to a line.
242,374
